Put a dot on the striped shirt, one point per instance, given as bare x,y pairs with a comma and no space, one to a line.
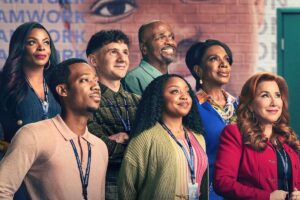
183,172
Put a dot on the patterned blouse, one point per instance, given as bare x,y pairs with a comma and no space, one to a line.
228,113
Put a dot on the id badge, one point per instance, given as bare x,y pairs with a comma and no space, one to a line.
193,191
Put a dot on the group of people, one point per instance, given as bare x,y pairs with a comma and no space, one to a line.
89,130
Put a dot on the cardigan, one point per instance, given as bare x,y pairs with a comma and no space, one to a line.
213,124
148,170
244,173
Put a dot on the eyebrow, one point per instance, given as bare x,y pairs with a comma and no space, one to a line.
32,37
163,33
116,49
96,2
187,87
81,75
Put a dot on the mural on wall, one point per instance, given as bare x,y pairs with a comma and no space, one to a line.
245,25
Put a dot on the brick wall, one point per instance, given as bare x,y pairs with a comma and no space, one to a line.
231,21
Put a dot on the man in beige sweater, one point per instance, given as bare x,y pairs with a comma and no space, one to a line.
58,158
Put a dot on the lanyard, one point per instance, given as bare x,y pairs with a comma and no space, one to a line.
44,103
189,159
84,179
125,122
285,164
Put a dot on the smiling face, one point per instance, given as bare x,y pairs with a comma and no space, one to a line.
158,45
215,67
177,100
111,61
234,23
82,91
267,104
37,48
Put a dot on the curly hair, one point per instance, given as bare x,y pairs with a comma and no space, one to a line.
13,85
104,37
151,106
195,55
251,129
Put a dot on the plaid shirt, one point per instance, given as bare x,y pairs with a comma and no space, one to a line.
104,123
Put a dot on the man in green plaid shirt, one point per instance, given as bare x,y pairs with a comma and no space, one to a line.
108,52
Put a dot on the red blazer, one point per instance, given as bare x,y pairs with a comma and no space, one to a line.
243,173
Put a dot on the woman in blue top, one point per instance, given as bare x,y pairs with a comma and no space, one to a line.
210,64
24,94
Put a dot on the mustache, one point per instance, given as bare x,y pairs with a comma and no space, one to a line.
169,46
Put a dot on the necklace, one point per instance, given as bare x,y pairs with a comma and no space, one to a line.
228,110
44,102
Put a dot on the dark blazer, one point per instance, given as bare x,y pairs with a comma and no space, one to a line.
30,110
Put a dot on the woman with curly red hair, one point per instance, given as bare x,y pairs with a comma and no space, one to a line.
259,157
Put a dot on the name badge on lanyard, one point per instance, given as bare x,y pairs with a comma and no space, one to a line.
193,186
84,179
193,191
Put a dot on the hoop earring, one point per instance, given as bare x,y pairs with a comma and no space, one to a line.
48,66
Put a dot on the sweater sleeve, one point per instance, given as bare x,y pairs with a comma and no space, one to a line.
127,181
20,156
227,167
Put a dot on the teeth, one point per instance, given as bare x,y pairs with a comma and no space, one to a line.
168,50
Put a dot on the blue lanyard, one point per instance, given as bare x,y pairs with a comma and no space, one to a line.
44,103
125,122
84,179
189,159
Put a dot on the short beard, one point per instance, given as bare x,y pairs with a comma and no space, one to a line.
168,59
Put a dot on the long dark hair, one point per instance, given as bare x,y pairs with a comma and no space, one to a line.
150,108
13,87
248,124
196,52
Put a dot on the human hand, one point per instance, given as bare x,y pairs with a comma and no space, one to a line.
120,137
278,195
295,195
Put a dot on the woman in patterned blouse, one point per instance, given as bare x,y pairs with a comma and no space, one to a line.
210,64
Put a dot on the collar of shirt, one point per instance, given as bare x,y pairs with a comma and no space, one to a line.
152,71
66,132
106,92
203,97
